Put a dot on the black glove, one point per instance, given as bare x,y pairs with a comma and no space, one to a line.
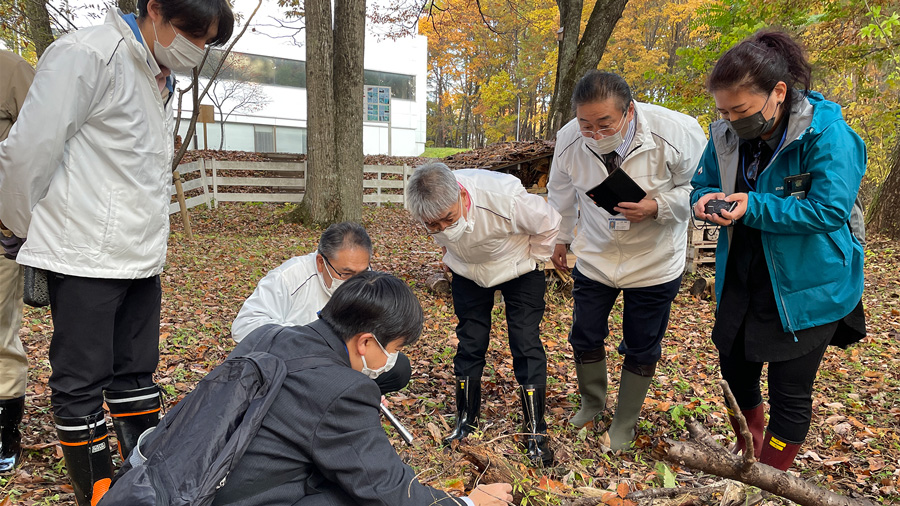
11,244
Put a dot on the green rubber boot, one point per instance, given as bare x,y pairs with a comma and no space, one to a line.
592,385
632,392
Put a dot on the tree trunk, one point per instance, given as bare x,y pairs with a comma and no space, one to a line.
127,6
39,25
334,76
884,211
349,44
576,57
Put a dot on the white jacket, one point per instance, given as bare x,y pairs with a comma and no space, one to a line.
508,230
290,294
661,159
85,172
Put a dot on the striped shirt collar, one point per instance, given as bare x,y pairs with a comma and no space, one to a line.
622,150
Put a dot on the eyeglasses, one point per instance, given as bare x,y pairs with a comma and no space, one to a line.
341,275
605,132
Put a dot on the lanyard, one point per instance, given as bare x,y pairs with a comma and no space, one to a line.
774,154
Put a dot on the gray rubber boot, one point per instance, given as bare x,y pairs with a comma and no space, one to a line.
632,392
592,385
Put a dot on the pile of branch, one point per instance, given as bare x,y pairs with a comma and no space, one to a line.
500,154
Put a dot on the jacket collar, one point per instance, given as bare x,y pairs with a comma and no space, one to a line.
138,49
322,328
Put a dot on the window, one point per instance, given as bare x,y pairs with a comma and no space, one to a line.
287,72
264,138
402,86
290,140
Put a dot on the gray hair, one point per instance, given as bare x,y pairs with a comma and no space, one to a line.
344,235
431,190
597,86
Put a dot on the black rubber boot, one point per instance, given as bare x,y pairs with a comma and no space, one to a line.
535,427
85,446
468,407
133,412
11,411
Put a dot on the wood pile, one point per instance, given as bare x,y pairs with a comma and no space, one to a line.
527,160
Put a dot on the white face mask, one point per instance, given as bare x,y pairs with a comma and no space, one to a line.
180,56
335,283
391,360
454,232
607,144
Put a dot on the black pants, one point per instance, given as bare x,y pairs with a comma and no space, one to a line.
524,297
105,336
645,317
790,387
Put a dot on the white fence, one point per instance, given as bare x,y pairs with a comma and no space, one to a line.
211,184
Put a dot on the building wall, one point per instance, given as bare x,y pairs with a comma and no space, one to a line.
284,118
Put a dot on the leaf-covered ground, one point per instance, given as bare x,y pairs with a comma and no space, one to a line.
853,445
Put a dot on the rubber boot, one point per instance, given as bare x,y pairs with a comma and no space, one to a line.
11,411
133,412
85,446
777,452
592,385
536,441
468,407
756,422
632,392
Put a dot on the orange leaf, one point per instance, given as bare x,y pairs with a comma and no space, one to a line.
551,485
622,489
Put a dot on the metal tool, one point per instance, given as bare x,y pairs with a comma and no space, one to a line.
404,433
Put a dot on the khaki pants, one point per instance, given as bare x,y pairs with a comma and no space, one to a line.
13,361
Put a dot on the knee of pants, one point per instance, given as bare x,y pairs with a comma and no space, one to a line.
644,353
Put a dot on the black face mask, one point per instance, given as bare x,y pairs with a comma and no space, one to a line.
753,126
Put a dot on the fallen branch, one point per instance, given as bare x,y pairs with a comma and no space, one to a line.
725,464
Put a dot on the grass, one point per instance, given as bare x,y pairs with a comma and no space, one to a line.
434,152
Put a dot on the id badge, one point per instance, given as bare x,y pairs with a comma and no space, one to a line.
619,223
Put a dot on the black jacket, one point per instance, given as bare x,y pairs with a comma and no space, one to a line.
322,441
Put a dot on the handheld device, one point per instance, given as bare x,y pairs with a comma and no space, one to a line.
716,206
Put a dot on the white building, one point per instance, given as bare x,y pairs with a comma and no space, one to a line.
279,67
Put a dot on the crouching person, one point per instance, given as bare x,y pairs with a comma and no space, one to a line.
321,441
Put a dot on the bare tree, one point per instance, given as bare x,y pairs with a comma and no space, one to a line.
579,55
236,91
38,20
127,6
334,77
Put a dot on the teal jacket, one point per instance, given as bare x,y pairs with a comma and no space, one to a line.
815,263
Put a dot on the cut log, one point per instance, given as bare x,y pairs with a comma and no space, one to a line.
438,283
703,287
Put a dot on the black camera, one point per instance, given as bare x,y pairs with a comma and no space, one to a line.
716,206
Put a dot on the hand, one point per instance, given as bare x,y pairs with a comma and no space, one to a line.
11,244
495,494
637,212
559,258
740,210
700,208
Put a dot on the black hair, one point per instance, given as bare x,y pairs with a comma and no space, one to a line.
346,234
195,16
597,86
759,62
375,302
